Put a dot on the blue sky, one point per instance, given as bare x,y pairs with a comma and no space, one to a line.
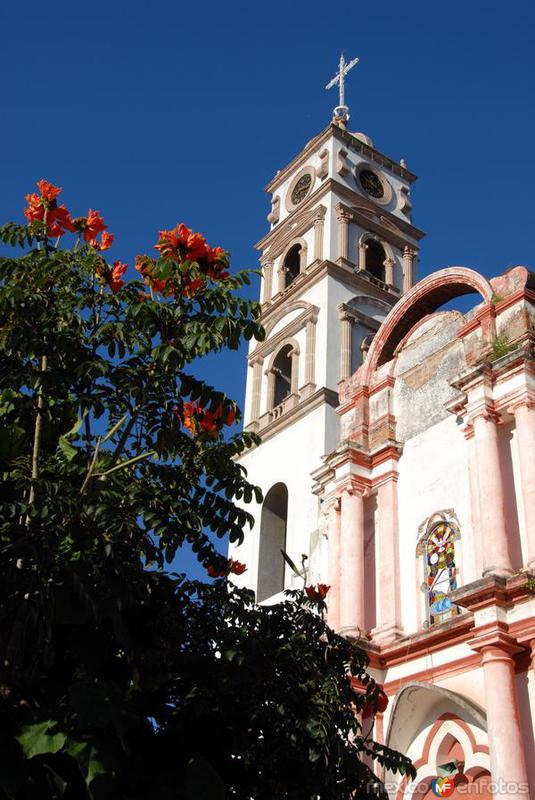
168,111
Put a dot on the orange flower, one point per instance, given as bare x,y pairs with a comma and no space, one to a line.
236,567
92,225
382,701
196,417
58,219
317,593
106,241
197,247
116,274
216,573
191,288
48,191
231,416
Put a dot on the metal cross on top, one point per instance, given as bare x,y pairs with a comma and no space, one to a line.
342,110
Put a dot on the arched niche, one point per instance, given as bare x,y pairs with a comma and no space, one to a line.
424,298
272,540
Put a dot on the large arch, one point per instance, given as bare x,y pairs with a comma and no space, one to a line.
272,541
434,726
424,298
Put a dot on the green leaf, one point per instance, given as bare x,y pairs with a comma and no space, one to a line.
126,463
299,572
115,428
40,738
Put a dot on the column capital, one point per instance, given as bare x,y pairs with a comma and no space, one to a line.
495,645
410,251
522,402
354,487
487,413
527,637
343,215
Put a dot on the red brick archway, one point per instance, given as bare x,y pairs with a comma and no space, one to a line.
424,298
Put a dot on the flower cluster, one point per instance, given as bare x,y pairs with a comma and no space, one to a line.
192,261
111,277
360,690
201,420
44,208
318,592
233,567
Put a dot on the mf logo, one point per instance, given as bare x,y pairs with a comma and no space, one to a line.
443,787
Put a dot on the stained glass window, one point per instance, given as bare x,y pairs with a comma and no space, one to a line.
301,188
438,550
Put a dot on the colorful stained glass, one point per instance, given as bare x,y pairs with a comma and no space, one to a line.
438,548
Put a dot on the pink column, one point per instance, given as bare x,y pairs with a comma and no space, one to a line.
525,425
379,736
473,485
352,562
389,611
333,538
507,760
496,557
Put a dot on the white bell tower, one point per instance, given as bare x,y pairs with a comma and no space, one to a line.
340,251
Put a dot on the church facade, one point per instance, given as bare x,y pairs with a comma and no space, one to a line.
398,456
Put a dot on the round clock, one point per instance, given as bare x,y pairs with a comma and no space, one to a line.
301,188
371,183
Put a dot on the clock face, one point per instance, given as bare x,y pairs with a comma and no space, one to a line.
371,183
301,188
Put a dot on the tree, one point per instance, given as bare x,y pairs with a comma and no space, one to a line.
118,677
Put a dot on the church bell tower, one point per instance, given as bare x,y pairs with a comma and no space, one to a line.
340,251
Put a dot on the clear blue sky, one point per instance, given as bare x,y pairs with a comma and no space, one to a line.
158,112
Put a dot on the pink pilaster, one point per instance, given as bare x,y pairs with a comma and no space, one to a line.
525,425
496,557
473,484
333,538
389,607
352,562
507,761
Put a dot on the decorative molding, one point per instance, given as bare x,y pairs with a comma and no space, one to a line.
404,203
274,214
342,167
334,131
293,325
353,200
301,409
293,228
376,226
318,270
323,170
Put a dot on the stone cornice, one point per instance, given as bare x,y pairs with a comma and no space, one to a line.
361,205
272,342
354,199
348,312
347,138
292,228
382,227
318,270
493,590
302,408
